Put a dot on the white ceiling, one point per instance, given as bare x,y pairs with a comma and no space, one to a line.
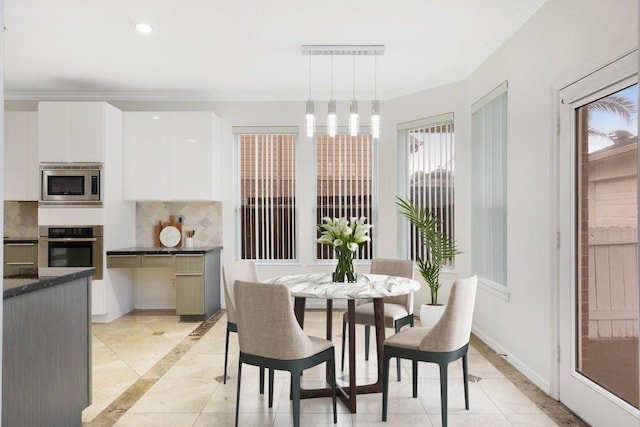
224,50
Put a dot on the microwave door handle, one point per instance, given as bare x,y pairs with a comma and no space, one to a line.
71,239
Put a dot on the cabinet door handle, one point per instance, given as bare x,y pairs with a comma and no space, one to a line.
122,256
189,274
20,244
159,255
20,263
189,255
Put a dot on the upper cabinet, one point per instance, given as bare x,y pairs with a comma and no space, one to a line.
171,155
21,156
72,131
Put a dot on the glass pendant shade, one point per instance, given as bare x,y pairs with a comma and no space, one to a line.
375,119
332,119
353,118
311,119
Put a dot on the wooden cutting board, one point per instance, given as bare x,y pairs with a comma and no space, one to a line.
158,229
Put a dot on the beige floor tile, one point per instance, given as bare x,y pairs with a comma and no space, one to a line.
191,392
507,397
157,420
264,419
404,420
530,420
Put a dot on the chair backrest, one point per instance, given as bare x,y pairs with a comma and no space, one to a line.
267,325
453,330
232,271
399,268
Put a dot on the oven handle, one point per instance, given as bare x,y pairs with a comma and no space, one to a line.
70,239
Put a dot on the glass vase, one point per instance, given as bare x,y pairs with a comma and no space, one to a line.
344,269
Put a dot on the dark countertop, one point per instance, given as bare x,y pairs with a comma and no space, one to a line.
46,278
151,250
20,240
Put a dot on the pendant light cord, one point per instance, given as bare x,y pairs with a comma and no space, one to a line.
354,76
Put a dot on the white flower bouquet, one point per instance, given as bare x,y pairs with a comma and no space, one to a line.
345,236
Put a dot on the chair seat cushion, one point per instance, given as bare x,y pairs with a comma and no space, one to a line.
408,338
392,312
319,344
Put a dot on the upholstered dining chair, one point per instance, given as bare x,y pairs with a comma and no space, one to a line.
270,337
447,341
232,271
398,310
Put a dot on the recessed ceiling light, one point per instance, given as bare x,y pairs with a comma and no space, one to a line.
143,28
155,117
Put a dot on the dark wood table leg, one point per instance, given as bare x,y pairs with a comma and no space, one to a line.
348,393
378,316
329,337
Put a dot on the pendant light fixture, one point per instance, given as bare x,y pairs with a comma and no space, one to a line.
353,108
332,118
311,118
375,104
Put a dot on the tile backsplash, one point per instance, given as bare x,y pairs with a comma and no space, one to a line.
203,217
21,220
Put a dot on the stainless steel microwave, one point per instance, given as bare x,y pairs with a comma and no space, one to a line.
71,184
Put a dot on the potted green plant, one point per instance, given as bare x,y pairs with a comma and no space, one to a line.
440,247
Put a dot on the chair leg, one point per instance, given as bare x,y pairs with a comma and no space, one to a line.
344,334
295,395
367,335
271,375
238,392
261,379
385,385
414,377
331,367
465,375
443,392
398,327
411,320
226,355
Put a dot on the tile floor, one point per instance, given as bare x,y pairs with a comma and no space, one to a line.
149,369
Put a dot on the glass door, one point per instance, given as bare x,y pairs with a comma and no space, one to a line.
598,255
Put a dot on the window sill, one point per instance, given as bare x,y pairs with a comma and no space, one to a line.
494,289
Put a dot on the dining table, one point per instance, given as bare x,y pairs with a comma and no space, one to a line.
367,286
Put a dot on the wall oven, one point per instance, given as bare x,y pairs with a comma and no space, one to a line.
71,184
68,246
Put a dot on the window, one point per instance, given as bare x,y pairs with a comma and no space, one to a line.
428,146
267,195
344,178
489,186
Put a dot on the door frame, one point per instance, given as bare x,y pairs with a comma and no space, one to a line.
614,75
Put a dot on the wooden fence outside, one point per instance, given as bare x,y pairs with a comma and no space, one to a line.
613,282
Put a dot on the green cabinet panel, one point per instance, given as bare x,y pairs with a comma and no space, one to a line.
19,257
123,261
158,261
189,264
189,295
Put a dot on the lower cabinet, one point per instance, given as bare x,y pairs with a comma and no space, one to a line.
197,278
20,258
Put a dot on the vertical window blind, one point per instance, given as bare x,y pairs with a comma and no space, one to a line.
489,186
429,170
344,178
267,199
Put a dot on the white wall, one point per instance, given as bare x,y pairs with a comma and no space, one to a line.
562,42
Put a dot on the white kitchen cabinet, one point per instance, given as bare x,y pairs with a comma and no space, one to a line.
21,175
72,131
171,155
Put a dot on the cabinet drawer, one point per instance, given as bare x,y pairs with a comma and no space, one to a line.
189,264
23,253
123,261
160,261
189,295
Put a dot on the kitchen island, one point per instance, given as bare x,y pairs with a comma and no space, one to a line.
196,270
46,343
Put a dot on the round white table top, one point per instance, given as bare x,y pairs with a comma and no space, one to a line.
320,285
